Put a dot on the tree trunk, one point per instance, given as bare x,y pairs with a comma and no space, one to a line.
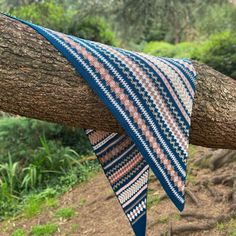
37,82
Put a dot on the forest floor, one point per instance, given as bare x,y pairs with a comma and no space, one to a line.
90,209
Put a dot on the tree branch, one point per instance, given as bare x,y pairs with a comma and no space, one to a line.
37,82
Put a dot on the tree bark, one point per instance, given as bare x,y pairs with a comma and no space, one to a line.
38,82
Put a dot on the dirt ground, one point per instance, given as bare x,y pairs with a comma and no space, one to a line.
98,213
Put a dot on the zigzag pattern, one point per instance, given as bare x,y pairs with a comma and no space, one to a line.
152,98
129,192
136,211
128,177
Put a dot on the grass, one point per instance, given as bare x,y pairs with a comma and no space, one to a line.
74,228
232,227
34,203
44,230
65,213
33,206
220,226
176,216
52,202
19,232
162,219
152,200
229,227
190,178
191,150
82,201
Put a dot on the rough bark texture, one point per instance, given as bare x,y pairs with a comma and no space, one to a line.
37,82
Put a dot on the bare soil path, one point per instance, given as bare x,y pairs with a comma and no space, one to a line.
208,208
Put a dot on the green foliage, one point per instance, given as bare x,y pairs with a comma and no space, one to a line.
19,232
22,137
65,213
33,206
187,50
162,219
219,52
9,176
232,227
44,230
46,13
215,18
220,226
35,156
82,201
152,200
93,28
74,228
35,202
54,15
162,49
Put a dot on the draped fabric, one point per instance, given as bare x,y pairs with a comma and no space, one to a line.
151,98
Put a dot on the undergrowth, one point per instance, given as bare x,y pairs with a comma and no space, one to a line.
38,162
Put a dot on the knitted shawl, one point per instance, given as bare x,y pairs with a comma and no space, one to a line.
151,98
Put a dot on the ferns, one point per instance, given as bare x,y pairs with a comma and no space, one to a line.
36,160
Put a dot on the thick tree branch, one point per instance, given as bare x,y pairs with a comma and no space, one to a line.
36,81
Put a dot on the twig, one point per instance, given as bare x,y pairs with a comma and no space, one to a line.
206,226
192,196
195,215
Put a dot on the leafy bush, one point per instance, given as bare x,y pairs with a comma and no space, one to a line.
46,13
93,28
54,16
22,137
161,49
219,52
187,50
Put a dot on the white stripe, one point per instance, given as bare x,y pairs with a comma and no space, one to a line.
176,127
104,141
120,110
135,98
117,159
110,145
133,180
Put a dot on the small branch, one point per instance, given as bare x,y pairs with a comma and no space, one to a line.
192,196
206,226
195,215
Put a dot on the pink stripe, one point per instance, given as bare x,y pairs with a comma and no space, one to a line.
115,141
124,100
98,136
126,59
180,74
132,181
125,169
186,116
189,66
138,193
164,111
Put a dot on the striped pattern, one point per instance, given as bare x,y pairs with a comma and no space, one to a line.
127,172
151,97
